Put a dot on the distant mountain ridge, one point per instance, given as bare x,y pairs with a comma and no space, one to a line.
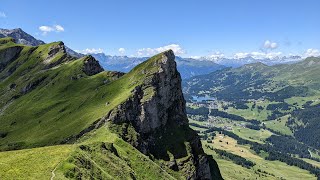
188,67
243,82
21,37
234,62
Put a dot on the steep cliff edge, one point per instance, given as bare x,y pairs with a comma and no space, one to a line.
154,120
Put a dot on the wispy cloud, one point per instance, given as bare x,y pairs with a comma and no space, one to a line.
270,45
216,55
59,28
176,48
90,51
46,29
122,51
257,55
312,52
2,14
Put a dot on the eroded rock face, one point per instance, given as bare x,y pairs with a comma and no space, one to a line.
20,36
157,112
7,55
153,102
54,50
91,66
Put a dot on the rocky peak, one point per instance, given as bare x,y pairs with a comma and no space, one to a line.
166,102
21,37
156,110
91,66
158,100
56,55
54,49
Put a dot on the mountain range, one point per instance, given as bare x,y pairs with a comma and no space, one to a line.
249,59
188,67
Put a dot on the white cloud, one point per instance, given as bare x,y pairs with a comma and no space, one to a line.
241,55
312,52
122,50
59,28
270,45
176,48
257,55
3,15
46,29
90,51
216,55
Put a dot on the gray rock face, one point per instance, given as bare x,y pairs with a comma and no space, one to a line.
51,60
156,109
56,48
91,66
7,55
21,37
152,102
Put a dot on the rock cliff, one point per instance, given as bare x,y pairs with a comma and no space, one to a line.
156,121
7,55
91,66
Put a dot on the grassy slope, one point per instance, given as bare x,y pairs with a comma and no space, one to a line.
34,163
252,135
59,107
38,163
127,160
64,103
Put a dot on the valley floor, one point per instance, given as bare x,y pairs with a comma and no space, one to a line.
262,170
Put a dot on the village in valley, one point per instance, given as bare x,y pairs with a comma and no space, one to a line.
211,120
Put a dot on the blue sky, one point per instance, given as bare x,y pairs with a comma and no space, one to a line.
192,28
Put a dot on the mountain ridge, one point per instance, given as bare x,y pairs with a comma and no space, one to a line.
22,37
50,98
188,67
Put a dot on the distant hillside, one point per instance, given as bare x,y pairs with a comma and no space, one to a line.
288,89
273,110
254,81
